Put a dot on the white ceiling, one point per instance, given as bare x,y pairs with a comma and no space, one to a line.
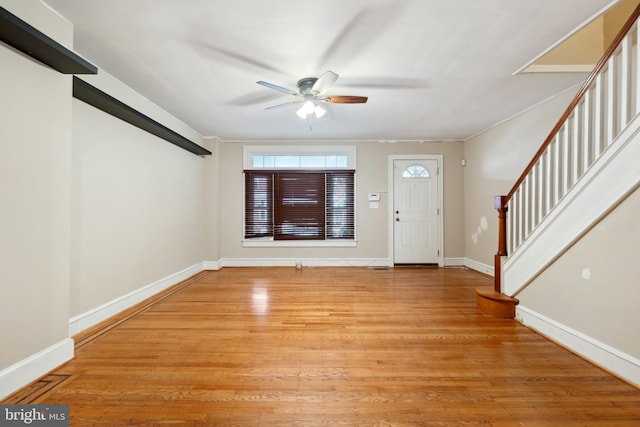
432,69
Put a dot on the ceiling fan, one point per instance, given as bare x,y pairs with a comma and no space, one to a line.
312,90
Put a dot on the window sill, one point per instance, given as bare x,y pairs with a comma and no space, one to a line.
269,243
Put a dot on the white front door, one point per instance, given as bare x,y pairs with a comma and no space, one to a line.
416,211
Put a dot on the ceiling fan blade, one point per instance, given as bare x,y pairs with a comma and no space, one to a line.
278,88
324,82
286,104
347,99
382,83
363,28
254,98
234,58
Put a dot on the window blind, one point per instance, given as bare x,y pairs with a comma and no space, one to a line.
340,205
258,205
299,205
298,211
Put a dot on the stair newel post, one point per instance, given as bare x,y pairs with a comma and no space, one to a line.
500,204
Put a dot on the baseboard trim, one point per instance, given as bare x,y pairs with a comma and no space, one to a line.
22,373
291,262
324,262
454,262
480,267
92,317
610,359
212,265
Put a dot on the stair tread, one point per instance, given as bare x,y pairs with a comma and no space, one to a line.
490,293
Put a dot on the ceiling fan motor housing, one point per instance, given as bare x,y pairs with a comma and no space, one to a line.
305,85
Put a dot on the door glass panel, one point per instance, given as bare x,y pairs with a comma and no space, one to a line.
415,171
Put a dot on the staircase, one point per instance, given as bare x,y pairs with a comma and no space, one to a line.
586,166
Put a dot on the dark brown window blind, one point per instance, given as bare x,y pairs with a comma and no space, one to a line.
299,205
340,205
298,210
258,204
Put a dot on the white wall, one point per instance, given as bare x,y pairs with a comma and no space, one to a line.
495,159
212,202
372,224
35,192
138,206
96,214
595,283
588,298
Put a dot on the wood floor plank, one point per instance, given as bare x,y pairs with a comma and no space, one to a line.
331,347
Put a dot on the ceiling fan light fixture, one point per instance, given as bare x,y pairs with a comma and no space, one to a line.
306,109
319,111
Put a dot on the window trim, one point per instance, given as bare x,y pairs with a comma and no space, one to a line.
268,242
248,151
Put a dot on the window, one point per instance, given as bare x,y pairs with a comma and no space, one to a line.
258,193
306,161
415,171
299,205
299,195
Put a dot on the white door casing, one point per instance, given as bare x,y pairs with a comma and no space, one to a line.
416,220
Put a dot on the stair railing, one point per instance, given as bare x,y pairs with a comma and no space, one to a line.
605,104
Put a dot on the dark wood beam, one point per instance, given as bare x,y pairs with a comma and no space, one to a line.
32,42
107,103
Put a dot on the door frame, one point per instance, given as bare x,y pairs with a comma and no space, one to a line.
390,185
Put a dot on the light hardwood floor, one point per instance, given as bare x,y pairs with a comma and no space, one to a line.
324,347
